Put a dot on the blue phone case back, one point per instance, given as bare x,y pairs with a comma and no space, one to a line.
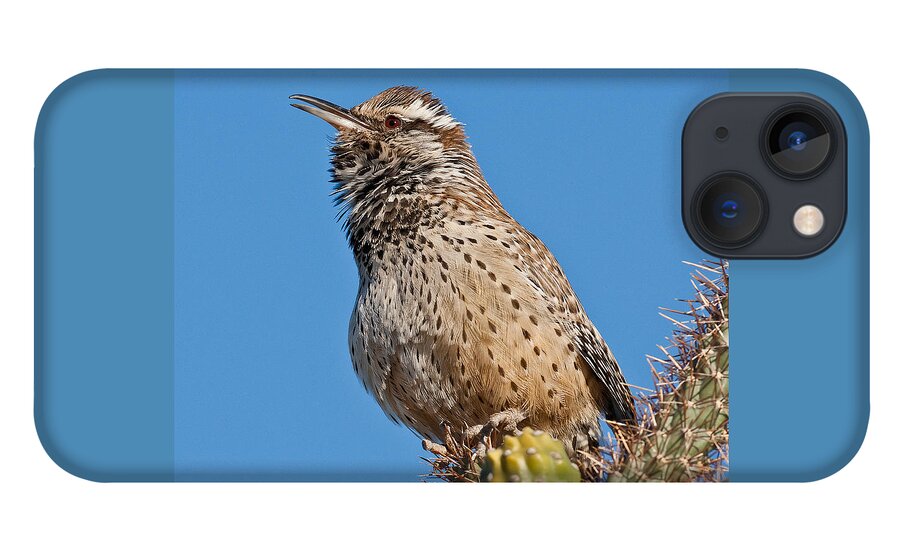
193,288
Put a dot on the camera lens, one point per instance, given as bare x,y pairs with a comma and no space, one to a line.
730,209
798,142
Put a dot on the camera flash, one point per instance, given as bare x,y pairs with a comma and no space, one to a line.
809,220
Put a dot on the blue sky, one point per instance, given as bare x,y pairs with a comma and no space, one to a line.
265,283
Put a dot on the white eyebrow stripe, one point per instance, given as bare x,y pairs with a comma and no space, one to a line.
430,114
444,122
414,111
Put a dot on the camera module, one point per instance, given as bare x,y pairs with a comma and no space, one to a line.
764,175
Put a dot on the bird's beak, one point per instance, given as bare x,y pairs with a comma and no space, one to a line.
338,117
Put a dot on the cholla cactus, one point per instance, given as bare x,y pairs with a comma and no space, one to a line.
682,432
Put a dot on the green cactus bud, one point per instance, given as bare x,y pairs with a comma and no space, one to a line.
529,456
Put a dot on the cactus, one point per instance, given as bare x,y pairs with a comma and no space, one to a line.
682,432
684,436
529,456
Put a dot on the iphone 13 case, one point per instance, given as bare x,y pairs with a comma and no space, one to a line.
471,275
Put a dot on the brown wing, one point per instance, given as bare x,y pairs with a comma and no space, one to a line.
547,277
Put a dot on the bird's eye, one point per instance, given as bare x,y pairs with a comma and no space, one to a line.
392,122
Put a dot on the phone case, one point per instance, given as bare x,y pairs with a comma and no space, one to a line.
209,307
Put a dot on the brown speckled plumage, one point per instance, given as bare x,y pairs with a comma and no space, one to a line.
461,312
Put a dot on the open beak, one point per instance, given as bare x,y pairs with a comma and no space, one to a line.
336,116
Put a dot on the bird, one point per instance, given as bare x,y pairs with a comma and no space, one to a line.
463,317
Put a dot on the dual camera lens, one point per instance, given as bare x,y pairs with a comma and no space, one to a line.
731,208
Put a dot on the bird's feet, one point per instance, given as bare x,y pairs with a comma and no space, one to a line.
506,421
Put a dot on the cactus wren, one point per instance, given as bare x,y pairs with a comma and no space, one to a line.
463,316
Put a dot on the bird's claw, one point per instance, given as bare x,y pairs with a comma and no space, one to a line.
506,421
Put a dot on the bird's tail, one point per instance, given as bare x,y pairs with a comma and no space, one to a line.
621,408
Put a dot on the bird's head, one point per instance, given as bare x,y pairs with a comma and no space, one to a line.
400,163
399,134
